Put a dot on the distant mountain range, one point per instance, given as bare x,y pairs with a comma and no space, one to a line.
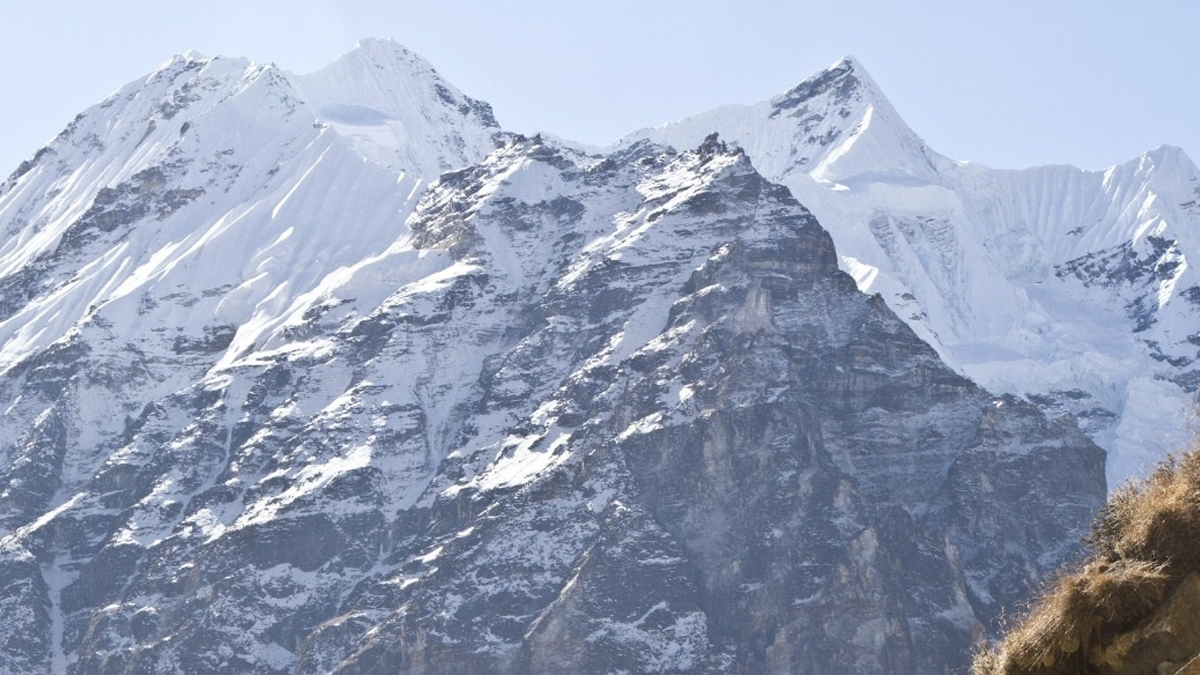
330,373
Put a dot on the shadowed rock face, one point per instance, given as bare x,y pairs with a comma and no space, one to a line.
636,420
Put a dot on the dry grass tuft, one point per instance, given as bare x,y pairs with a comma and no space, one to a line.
986,662
1157,520
1081,611
1146,540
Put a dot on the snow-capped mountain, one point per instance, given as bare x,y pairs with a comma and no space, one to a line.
278,398
1066,286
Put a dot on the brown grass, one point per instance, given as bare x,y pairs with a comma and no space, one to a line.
1158,520
1142,545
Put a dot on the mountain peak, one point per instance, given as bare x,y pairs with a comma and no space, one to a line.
845,81
1166,169
391,59
846,67
179,61
834,126
1165,155
387,76
368,43
383,51
381,97
190,56
848,61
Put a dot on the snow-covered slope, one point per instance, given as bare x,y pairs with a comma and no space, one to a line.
1067,286
208,200
392,106
833,125
277,401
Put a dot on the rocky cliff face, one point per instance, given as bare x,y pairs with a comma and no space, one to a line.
575,414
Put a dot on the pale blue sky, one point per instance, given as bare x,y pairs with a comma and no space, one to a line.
1009,84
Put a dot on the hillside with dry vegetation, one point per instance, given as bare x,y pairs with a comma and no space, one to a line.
1133,607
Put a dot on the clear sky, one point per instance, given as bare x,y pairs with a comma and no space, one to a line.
1009,84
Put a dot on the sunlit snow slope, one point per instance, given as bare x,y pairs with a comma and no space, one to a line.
239,186
1070,287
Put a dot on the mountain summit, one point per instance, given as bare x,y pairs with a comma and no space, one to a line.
835,126
397,110
233,183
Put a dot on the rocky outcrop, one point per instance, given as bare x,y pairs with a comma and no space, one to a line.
1169,642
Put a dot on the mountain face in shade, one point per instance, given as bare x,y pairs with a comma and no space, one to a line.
1070,288
329,374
